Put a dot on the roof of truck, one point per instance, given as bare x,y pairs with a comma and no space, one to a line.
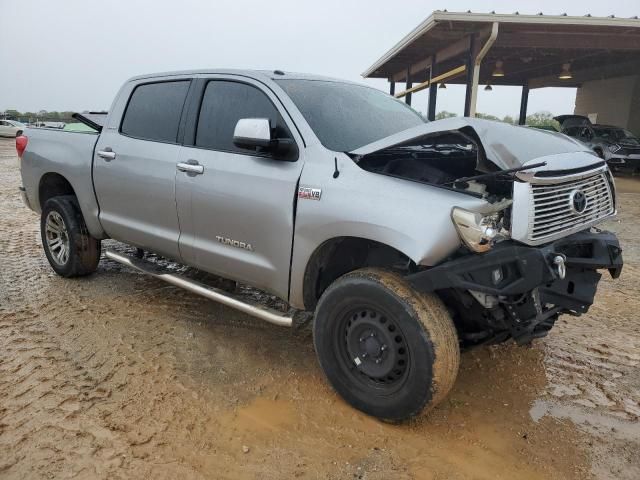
258,74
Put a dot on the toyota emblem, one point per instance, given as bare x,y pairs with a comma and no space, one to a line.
578,201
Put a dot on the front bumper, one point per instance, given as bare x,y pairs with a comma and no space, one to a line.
525,281
624,161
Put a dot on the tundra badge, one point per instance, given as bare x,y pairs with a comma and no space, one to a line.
234,243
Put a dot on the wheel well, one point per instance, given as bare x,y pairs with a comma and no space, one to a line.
53,185
342,255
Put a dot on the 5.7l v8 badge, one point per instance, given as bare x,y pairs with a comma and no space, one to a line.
309,193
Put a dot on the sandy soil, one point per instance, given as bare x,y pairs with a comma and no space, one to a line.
121,376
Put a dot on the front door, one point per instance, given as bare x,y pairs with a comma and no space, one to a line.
236,208
135,169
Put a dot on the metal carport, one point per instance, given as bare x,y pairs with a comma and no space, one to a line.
530,51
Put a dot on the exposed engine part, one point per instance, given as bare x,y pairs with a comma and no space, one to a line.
487,301
451,160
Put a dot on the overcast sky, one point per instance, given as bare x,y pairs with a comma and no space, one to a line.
75,54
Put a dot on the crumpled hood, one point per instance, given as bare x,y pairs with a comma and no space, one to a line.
507,146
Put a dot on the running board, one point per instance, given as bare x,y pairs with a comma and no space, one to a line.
212,293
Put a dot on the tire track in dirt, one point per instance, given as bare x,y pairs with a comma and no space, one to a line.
121,376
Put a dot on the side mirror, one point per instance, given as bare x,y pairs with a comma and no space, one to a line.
256,134
252,133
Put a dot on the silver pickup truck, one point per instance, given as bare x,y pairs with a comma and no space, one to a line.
405,241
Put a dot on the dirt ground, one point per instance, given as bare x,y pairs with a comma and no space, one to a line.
119,375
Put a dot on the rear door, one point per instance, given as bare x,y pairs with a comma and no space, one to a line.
135,168
237,215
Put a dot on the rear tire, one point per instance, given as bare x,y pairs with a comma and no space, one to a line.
70,249
388,350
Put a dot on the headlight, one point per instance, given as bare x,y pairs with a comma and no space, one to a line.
477,230
614,148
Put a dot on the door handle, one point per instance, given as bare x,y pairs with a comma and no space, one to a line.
107,154
194,168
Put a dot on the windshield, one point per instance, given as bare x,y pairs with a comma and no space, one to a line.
15,123
614,134
346,116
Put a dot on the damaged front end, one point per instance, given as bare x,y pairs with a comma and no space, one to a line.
522,289
532,251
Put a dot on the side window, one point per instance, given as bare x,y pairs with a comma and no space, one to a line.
223,104
572,131
154,110
587,133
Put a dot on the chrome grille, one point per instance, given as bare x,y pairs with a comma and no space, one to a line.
552,211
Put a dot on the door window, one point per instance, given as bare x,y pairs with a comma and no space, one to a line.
572,131
154,111
585,133
223,104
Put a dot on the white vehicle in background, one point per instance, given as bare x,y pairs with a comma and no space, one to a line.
11,128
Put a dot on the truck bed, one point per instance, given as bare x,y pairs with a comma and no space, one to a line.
68,154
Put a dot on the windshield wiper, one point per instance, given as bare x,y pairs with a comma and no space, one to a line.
500,175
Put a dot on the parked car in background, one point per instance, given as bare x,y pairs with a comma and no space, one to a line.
58,125
619,147
549,128
11,128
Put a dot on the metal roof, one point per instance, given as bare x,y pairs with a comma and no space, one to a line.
532,47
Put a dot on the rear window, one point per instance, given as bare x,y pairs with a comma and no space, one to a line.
572,131
154,110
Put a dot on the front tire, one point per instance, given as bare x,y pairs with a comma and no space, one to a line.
388,350
70,249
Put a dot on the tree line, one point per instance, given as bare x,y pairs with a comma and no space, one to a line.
40,116
538,119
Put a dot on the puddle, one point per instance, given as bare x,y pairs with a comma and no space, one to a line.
587,419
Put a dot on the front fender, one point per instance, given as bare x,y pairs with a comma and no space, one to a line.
413,218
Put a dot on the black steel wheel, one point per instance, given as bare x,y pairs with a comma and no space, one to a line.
374,343
388,350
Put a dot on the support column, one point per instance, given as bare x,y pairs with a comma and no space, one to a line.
392,88
433,94
477,62
524,100
469,75
407,97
